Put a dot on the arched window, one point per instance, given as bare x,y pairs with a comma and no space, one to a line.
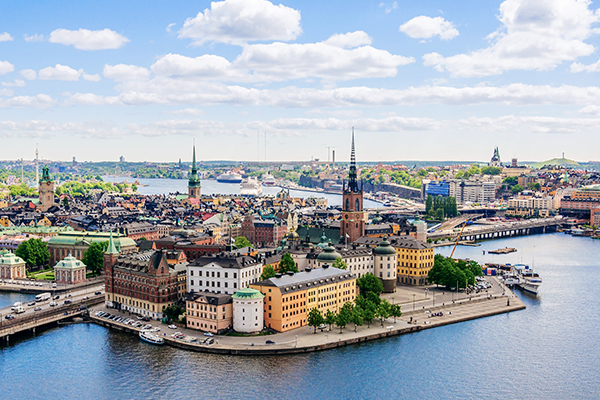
347,204
356,205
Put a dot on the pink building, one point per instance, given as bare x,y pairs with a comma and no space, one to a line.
69,271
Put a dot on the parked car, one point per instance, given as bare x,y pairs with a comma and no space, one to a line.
37,309
56,297
270,342
97,293
172,326
31,303
10,316
53,303
67,301
209,334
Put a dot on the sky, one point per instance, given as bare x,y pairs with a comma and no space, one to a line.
255,80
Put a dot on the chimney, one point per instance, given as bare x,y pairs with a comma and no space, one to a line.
277,275
290,273
325,266
307,269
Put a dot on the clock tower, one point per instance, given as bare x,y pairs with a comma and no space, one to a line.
352,225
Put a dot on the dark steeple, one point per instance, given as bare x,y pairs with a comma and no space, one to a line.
352,184
194,180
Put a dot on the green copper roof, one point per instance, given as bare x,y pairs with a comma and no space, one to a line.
248,293
45,174
112,249
9,258
69,262
194,180
384,248
328,254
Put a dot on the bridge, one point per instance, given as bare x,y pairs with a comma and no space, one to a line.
500,230
29,322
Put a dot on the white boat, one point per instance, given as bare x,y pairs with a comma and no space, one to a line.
151,338
268,180
531,284
250,187
229,177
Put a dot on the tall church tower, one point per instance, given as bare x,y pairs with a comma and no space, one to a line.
46,190
194,188
352,225
109,258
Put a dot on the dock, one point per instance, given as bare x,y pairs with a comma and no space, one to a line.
506,250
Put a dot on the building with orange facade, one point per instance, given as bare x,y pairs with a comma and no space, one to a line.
290,297
209,312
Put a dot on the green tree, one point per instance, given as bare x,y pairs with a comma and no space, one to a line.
395,311
241,242
173,312
340,263
268,272
429,205
34,252
510,180
382,312
357,317
343,318
517,188
287,264
368,313
330,318
92,257
491,170
369,283
65,202
315,319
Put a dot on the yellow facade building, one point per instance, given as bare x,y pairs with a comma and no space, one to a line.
290,297
415,260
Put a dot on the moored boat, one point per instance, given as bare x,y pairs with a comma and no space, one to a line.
268,180
229,177
151,338
250,187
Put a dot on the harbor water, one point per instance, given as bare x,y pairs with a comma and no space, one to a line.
548,351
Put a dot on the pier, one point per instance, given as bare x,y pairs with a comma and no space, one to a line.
501,230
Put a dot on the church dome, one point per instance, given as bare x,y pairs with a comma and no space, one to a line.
328,254
384,249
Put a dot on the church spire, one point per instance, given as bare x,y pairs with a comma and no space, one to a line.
112,249
352,176
194,180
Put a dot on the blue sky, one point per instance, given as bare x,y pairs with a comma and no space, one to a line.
419,80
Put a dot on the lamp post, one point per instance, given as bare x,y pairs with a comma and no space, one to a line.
413,302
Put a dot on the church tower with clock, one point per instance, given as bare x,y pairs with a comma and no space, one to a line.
352,225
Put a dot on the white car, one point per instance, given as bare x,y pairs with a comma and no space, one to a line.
172,326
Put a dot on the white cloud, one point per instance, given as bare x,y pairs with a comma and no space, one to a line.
16,83
423,27
41,128
578,67
60,73
591,110
533,124
349,40
123,72
84,39
186,111
388,7
536,35
5,37
205,66
38,101
92,99
6,67
168,28
281,61
6,92
91,78
242,21
28,74
34,38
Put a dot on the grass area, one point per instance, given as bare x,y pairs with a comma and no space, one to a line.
237,334
49,275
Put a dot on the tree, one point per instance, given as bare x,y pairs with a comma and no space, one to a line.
330,318
491,170
173,312
340,263
241,242
517,188
383,311
315,319
267,272
65,202
369,283
429,205
92,257
356,317
287,264
344,316
34,252
369,313
395,311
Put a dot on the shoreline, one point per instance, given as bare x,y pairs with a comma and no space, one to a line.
304,341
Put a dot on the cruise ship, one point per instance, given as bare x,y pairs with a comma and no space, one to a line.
229,177
250,187
528,280
268,180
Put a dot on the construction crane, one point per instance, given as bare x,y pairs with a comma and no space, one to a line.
458,238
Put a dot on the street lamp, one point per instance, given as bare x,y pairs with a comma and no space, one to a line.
413,302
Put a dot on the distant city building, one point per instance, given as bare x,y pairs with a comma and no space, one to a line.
122,159
77,242
439,188
472,191
495,161
223,273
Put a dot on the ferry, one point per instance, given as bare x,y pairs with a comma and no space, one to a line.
529,281
268,180
250,187
151,338
229,177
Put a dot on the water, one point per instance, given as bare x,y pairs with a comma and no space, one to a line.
7,299
548,351
211,186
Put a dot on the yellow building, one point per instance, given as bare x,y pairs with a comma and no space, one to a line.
415,259
290,297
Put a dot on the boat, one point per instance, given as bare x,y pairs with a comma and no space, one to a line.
531,284
268,180
229,177
151,338
250,187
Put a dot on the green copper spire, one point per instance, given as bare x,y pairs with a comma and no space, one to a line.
45,174
194,180
112,249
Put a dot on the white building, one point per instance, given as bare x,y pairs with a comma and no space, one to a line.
222,274
359,260
472,191
248,310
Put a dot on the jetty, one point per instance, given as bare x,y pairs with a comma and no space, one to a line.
505,250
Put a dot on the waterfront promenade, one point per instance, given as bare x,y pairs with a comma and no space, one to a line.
302,340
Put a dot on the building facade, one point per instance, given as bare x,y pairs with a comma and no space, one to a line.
76,243
69,271
248,311
352,225
209,312
222,274
11,266
46,190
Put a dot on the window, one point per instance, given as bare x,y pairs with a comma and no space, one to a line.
192,282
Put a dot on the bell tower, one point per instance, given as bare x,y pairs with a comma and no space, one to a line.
194,188
352,225
46,190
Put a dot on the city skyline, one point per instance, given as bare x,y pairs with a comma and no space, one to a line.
259,80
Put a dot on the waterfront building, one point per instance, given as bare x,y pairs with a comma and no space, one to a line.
69,271
11,266
384,262
46,190
289,297
194,187
472,191
77,242
209,312
353,222
359,259
248,311
224,273
142,283
439,188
